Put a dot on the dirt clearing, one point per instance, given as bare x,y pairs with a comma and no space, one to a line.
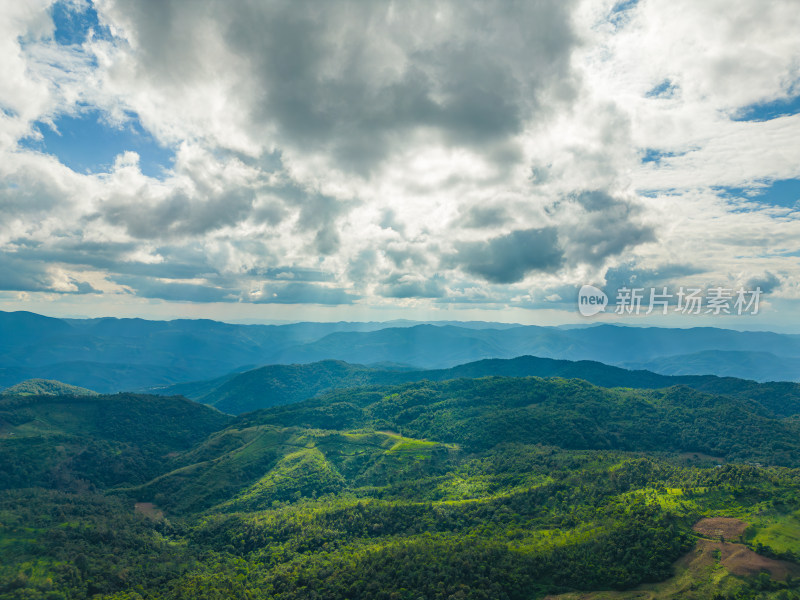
149,510
715,527
740,560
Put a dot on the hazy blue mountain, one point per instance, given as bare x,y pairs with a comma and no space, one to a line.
26,328
111,354
420,346
445,346
276,385
123,354
284,384
100,376
617,344
760,366
190,389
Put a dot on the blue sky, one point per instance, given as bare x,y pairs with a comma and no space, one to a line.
86,139
783,193
455,160
765,111
88,143
74,23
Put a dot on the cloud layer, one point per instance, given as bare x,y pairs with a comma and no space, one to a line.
396,155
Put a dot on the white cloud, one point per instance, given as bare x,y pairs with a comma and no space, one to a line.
378,143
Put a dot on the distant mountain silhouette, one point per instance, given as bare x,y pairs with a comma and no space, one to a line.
111,355
276,385
760,366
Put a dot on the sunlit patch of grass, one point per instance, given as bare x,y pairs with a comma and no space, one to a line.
781,532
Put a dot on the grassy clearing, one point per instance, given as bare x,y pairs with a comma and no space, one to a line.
780,532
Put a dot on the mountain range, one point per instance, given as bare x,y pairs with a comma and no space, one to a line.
111,355
469,488
276,385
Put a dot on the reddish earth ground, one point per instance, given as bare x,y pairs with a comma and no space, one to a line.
699,563
149,510
740,560
699,456
715,527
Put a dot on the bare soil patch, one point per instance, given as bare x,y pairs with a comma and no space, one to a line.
740,560
695,573
699,456
715,527
149,510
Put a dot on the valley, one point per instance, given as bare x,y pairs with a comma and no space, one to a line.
488,487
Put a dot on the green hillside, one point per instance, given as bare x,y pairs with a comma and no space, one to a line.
250,468
45,387
284,384
102,440
499,487
571,414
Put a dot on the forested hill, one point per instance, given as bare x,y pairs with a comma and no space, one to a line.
45,387
48,440
111,355
284,384
571,414
475,488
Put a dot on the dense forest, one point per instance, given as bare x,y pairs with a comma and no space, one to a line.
490,488
274,385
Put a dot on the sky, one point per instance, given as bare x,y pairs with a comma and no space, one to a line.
354,160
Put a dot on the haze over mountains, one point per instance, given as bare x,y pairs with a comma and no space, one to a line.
276,385
109,355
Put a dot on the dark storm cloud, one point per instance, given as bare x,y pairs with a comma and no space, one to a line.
84,287
361,267
304,293
509,258
595,200
147,287
768,282
100,255
292,274
606,235
205,210
408,256
606,226
319,212
389,221
353,79
485,216
410,286
24,275
629,275
28,192
179,214
179,262
271,212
